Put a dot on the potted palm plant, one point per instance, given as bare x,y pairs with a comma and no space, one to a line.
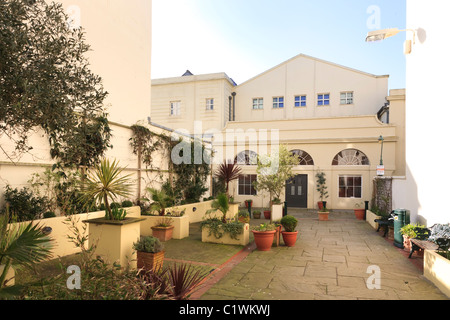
150,253
289,234
104,184
264,235
220,204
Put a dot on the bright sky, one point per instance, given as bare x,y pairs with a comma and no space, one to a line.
244,38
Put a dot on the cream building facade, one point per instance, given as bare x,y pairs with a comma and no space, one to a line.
327,114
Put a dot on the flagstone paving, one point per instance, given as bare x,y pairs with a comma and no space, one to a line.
331,260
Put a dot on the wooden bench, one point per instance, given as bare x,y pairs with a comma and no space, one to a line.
423,243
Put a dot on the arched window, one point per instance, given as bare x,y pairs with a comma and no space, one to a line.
246,158
304,157
351,157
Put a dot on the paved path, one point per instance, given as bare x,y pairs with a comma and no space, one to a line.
331,260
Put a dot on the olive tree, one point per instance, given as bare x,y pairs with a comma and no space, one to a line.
46,83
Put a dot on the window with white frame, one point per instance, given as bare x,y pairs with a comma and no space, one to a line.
210,104
323,99
346,97
278,102
258,103
300,101
175,108
350,186
246,187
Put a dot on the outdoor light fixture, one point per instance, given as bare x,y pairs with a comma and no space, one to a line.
380,35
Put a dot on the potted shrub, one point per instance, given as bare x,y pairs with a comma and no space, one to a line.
359,212
323,213
228,172
321,187
150,253
243,217
411,231
248,203
267,213
257,214
163,230
272,173
264,235
289,234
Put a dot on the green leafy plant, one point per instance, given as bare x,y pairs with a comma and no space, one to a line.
164,222
49,214
118,214
182,280
160,200
413,230
273,171
321,186
289,223
105,183
220,204
24,204
264,227
148,244
127,204
21,244
218,228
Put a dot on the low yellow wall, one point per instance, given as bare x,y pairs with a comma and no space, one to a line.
370,218
242,240
180,230
62,246
437,269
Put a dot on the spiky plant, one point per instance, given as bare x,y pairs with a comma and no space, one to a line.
228,172
105,183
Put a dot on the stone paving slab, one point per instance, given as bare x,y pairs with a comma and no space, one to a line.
330,261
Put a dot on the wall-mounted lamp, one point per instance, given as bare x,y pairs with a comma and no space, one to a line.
380,35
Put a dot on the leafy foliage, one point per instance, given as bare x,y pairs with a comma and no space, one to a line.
218,228
148,244
45,82
220,204
24,204
273,171
289,223
321,185
22,244
160,200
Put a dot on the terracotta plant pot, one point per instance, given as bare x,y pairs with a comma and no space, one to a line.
359,213
163,233
264,239
257,215
406,243
289,238
150,261
267,214
323,216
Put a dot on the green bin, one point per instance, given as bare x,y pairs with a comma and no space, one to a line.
401,219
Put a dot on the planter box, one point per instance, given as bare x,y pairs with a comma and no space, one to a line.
114,239
436,268
242,240
180,224
150,261
370,218
10,275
